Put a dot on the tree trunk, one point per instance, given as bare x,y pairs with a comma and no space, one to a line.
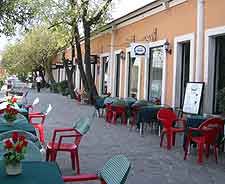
69,73
92,88
79,58
49,72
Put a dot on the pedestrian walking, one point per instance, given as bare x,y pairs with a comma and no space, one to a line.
38,81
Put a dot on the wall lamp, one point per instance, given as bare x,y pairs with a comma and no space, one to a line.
122,55
168,47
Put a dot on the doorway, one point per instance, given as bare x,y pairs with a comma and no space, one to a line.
185,70
219,74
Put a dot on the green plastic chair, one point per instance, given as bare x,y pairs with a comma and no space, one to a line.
115,171
34,147
82,125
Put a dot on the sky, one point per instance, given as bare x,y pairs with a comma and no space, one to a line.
121,8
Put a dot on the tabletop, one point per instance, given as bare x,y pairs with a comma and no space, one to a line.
18,125
33,173
149,112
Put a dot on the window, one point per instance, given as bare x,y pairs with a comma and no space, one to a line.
105,75
155,72
219,74
133,76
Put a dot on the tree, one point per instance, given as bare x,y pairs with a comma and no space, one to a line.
80,17
35,52
14,13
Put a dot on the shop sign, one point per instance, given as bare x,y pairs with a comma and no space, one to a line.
139,50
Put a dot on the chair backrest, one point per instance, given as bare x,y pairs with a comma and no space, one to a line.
213,129
48,109
115,171
35,102
34,148
166,117
82,125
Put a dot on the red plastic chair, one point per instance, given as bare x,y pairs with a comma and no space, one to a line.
119,111
115,171
109,113
81,127
31,107
37,119
167,117
209,131
134,112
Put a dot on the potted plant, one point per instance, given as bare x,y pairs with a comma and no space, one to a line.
15,149
10,114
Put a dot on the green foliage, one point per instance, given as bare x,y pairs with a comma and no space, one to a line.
221,100
62,86
14,13
36,49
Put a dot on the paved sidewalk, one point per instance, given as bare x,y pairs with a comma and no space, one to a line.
150,163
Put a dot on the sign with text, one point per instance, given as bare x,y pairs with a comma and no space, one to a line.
193,97
139,49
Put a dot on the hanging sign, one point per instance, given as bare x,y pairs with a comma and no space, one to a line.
193,97
139,50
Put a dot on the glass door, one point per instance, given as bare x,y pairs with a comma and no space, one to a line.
155,74
219,82
185,69
117,74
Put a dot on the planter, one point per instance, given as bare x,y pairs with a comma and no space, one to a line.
13,169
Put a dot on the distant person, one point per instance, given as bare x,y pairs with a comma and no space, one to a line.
38,81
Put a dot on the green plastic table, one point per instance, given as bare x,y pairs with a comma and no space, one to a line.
18,125
33,173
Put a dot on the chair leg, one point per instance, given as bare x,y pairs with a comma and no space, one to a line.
216,150
47,154
141,128
186,145
53,155
42,136
161,139
169,140
207,147
174,139
200,153
77,161
72,155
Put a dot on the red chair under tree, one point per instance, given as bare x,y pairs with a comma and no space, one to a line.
209,133
81,127
37,119
167,117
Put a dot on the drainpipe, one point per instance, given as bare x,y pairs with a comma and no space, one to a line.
112,83
200,41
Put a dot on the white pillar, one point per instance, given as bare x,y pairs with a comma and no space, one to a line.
101,82
112,63
200,41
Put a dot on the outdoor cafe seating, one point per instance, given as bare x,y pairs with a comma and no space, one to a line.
209,133
115,171
80,128
37,119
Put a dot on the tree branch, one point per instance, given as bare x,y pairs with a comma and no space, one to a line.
100,12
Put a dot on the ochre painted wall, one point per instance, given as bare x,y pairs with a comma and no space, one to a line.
176,21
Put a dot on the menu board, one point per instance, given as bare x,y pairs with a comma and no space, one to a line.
193,97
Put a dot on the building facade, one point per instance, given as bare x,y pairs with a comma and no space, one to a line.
185,41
